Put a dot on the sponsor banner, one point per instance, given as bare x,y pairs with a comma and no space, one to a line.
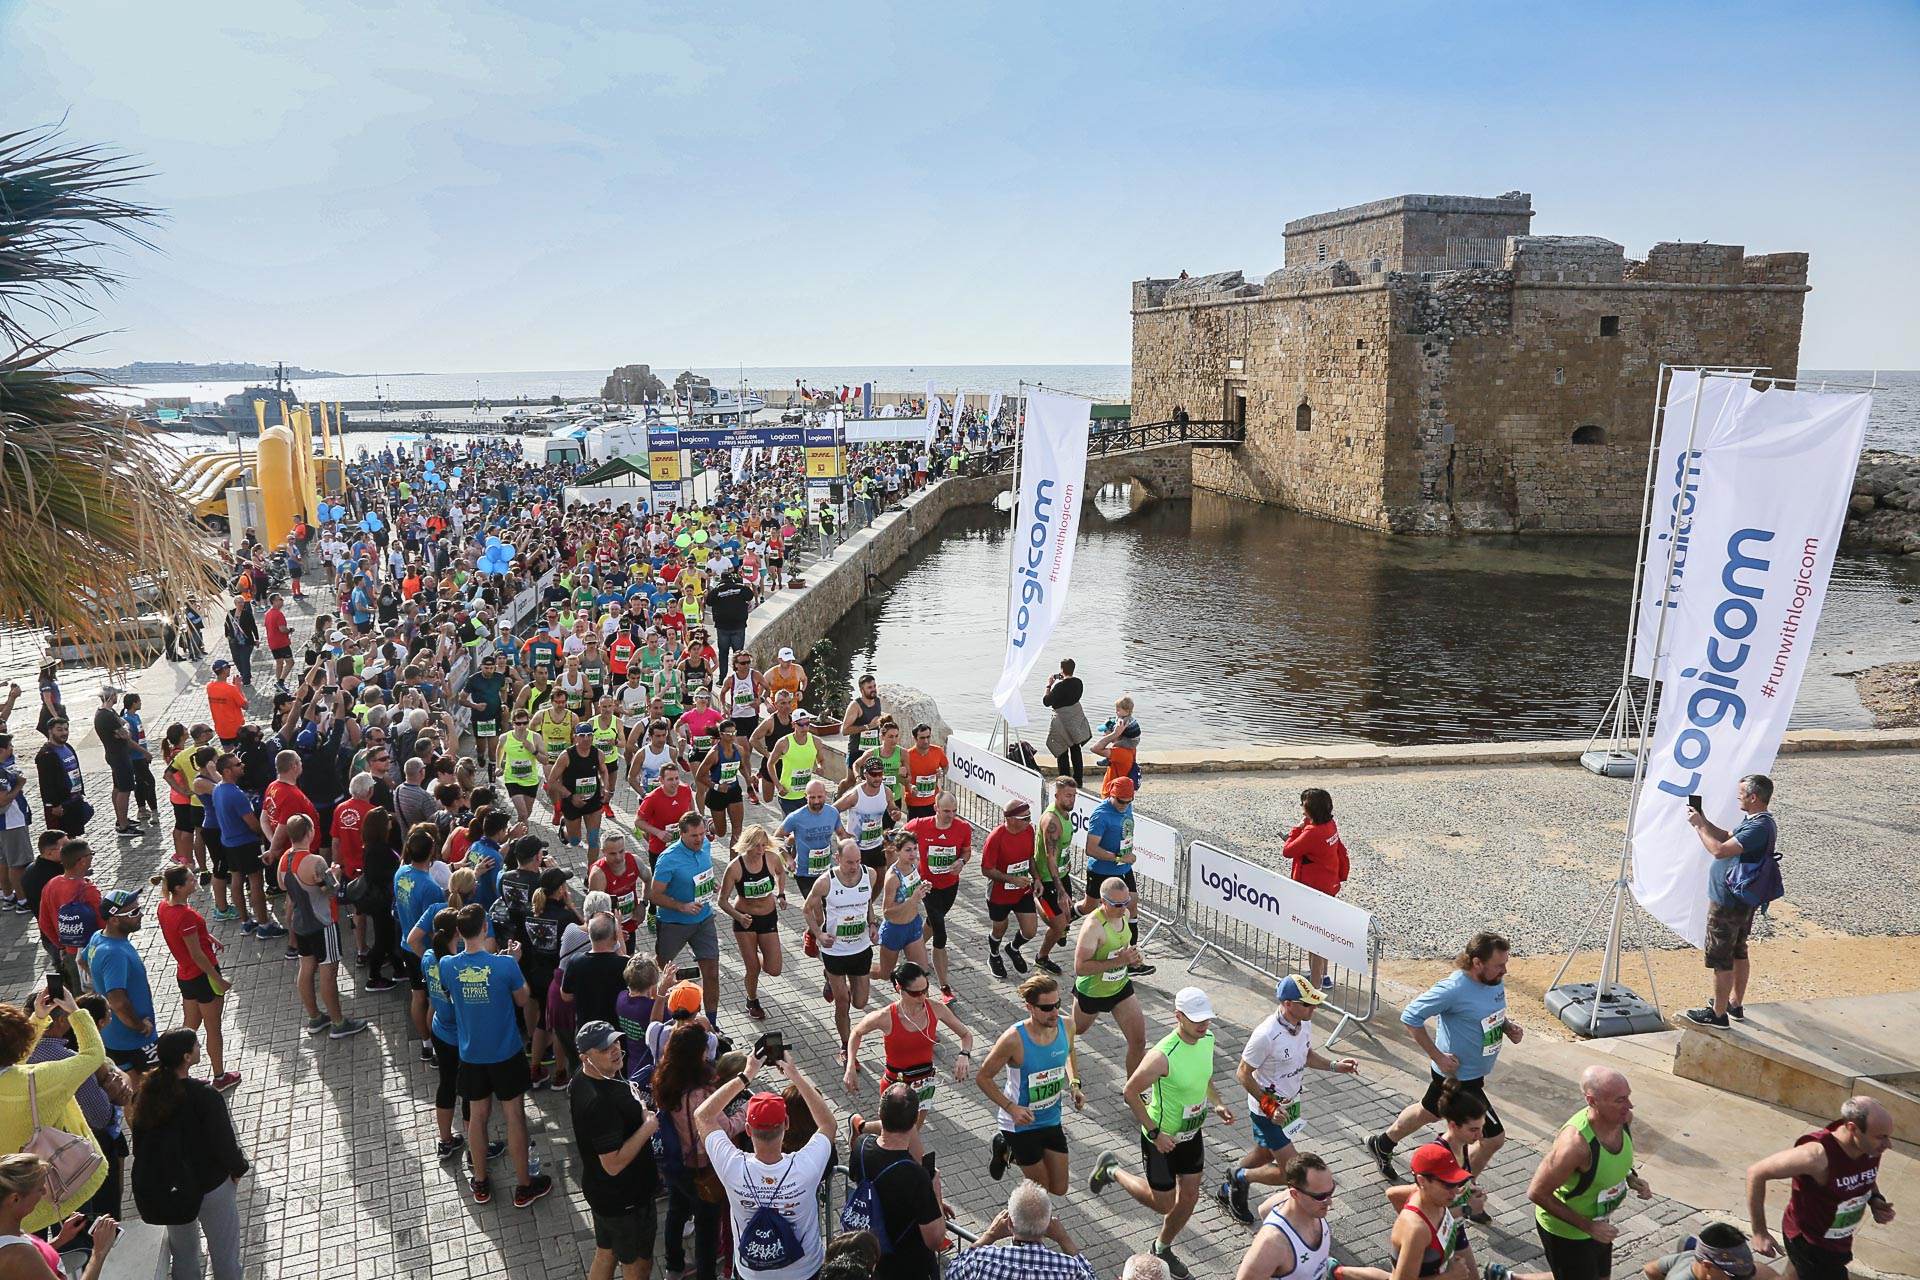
932,423
1269,901
766,436
993,409
1774,478
825,459
741,456
663,465
1053,473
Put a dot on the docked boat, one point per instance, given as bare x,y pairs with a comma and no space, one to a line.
715,402
129,642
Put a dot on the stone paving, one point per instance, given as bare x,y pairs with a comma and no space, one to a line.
344,1183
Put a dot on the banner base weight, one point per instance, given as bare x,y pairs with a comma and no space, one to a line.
1622,1013
1608,764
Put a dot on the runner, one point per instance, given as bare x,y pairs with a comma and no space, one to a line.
1102,981
860,726
523,761
1052,859
903,890
197,967
485,695
811,832
1836,1186
841,919
1030,1068
607,738
1584,1178
723,782
1295,1240
619,875
1272,1071
1110,855
1169,1094
791,760
871,812
1425,1237
752,889
1007,861
1471,1004
946,843
910,1028
682,893
891,759
577,781
741,695
648,752
786,675
310,886
926,772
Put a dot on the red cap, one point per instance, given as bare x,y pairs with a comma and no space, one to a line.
767,1111
1435,1161
1121,788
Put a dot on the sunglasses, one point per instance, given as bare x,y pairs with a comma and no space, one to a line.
1322,1197
913,991
1046,1008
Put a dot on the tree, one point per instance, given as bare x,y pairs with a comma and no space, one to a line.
87,503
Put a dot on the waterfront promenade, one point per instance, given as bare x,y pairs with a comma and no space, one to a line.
344,1182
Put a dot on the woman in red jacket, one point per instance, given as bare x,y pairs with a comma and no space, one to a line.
1319,860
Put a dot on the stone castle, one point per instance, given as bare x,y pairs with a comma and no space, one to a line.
1422,364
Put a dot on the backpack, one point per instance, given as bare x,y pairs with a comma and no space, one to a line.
1757,883
769,1241
863,1210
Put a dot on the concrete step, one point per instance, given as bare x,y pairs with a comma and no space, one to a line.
1654,1049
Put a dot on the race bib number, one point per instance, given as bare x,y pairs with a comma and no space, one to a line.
627,903
869,739
586,788
1190,1118
941,858
703,889
1114,975
759,887
1846,1218
1044,1086
923,787
1610,1198
729,773
1493,1029
801,777
485,728
851,927
870,825
1019,868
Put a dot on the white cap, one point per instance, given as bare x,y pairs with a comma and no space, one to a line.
1193,1002
786,655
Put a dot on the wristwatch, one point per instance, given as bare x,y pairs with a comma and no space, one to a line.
1153,1134
746,1085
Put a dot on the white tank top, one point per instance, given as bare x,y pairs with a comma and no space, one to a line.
651,764
743,699
847,914
868,817
1308,1263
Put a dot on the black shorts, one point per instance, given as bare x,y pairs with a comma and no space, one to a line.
1811,1262
1478,1088
746,725
1727,930
410,965
857,965
122,771
919,811
1058,894
719,801
626,1233
242,859
1188,1157
767,923
199,990
188,817
1082,1002
323,944
1576,1259
875,858
998,911
128,1059
284,651
1097,878
529,790
1028,1145
503,1080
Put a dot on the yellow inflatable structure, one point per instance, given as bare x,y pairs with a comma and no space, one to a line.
279,492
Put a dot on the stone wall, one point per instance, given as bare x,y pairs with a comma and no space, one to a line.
1406,233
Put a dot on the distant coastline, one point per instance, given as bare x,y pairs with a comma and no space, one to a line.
141,371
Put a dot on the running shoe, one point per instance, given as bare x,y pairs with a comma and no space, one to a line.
229,913
495,1149
1233,1194
755,1011
1141,971
995,963
1738,1012
482,1189
1382,1152
379,984
346,1027
226,1080
1175,1268
856,1125
130,829
1706,1017
1495,1271
1102,1171
248,927
1049,964
1482,1218
1019,961
947,996
271,930
448,1148
525,1196
317,1023
538,1083
426,1052
1326,982
1002,1153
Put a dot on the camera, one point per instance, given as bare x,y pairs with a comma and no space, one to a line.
56,985
770,1048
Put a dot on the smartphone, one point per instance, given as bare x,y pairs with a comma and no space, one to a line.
56,985
687,973
770,1048
1693,802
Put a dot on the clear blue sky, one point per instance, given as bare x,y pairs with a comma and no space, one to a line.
467,186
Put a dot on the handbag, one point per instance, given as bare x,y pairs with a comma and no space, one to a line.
360,893
71,1160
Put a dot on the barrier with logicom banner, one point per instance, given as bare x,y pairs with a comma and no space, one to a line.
997,780
1253,895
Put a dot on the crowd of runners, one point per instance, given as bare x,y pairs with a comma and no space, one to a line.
537,834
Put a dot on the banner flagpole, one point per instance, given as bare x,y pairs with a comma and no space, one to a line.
1000,726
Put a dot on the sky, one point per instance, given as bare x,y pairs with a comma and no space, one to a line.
435,186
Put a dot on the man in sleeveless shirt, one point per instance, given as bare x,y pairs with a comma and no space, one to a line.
1835,1172
1585,1177
1295,1240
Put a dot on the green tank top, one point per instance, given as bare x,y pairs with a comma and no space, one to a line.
896,768
1050,852
1179,1102
518,764
605,735
1114,936
796,767
1598,1190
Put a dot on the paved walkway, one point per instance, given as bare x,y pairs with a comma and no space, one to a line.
344,1183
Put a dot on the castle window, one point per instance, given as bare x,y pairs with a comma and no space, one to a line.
1323,253
1303,417
1609,326
1359,344
1589,434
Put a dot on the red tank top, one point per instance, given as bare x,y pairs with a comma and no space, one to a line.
620,889
1825,1214
908,1049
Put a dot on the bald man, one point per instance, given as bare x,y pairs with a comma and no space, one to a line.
1585,1177
1835,1174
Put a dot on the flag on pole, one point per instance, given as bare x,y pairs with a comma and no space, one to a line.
993,410
1053,474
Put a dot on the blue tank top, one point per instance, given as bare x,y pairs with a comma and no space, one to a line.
1039,1082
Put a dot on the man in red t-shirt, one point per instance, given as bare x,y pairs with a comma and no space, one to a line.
279,638
282,800
661,809
349,842
946,842
1007,862
70,911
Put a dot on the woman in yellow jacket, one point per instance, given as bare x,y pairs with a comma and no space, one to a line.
54,1085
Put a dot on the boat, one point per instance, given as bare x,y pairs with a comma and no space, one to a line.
714,402
129,642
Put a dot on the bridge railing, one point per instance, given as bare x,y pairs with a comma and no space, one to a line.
1127,438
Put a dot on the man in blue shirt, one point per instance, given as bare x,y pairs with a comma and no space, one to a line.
121,977
491,1010
682,892
1471,1005
1110,855
811,831
237,858
1729,920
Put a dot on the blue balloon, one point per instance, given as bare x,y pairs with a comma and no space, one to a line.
493,540
508,551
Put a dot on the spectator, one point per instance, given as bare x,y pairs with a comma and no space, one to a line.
617,1172
145,793
120,975
23,1185
196,955
117,742
63,790
100,1098
16,823
1319,859
1013,1247
772,1195
901,1188
54,1086
679,1090
1143,1266
227,702
1729,919
1068,732
187,1160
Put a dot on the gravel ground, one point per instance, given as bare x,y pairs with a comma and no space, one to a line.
1529,849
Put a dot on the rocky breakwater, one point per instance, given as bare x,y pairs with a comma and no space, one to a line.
1884,513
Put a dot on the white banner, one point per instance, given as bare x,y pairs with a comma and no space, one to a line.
1772,485
933,414
998,780
740,457
869,430
1053,475
959,409
993,411
1269,901
1691,411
